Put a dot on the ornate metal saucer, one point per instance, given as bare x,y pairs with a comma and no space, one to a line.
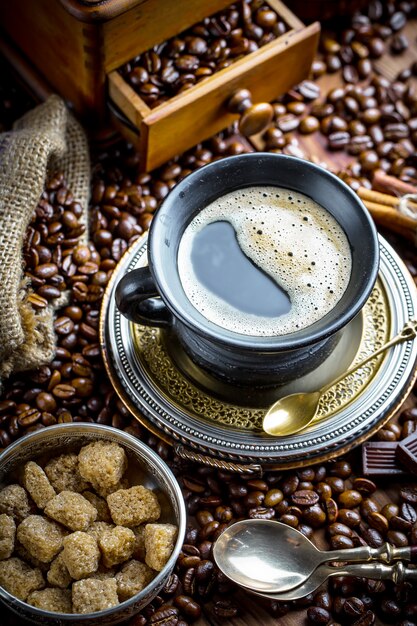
219,424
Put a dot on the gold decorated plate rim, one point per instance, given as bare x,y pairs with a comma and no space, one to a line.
381,397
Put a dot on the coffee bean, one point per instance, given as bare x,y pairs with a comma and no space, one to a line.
304,498
188,606
45,402
63,391
338,140
309,125
340,542
288,123
29,417
397,538
225,609
409,494
83,386
367,619
261,513
408,512
364,486
397,21
318,615
350,74
378,521
296,107
314,516
164,615
368,506
353,607
372,537
398,44
48,292
309,90
273,497
63,325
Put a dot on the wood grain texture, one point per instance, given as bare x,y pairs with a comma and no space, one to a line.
201,111
148,23
72,46
65,52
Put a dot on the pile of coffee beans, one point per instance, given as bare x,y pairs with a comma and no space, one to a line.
371,120
332,498
207,47
378,29
50,241
372,124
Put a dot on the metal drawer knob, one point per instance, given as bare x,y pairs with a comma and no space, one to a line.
254,118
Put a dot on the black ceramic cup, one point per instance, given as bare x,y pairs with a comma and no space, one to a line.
154,295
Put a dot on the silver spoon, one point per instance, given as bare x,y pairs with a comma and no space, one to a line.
271,557
398,573
295,412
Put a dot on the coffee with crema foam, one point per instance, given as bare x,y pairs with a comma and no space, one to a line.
264,261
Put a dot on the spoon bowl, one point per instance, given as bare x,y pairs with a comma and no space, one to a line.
268,556
293,413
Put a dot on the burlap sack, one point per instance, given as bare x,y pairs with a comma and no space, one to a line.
46,140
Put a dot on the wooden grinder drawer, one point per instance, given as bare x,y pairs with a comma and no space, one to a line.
201,111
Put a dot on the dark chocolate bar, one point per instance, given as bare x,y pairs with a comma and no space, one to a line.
379,459
406,452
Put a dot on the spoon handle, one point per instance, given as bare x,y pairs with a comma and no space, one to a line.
409,331
398,573
386,553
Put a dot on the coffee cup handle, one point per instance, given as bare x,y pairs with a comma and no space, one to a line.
135,299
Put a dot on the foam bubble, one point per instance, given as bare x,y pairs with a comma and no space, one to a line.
293,239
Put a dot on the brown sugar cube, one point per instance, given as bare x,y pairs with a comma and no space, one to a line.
52,599
7,535
159,544
14,501
80,554
58,574
139,548
41,537
26,556
131,507
116,545
103,512
37,484
72,510
132,578
20,579
64,475
102,463
91,595
98,528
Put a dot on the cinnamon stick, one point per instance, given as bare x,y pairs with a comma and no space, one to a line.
385,183
370,195
391,219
